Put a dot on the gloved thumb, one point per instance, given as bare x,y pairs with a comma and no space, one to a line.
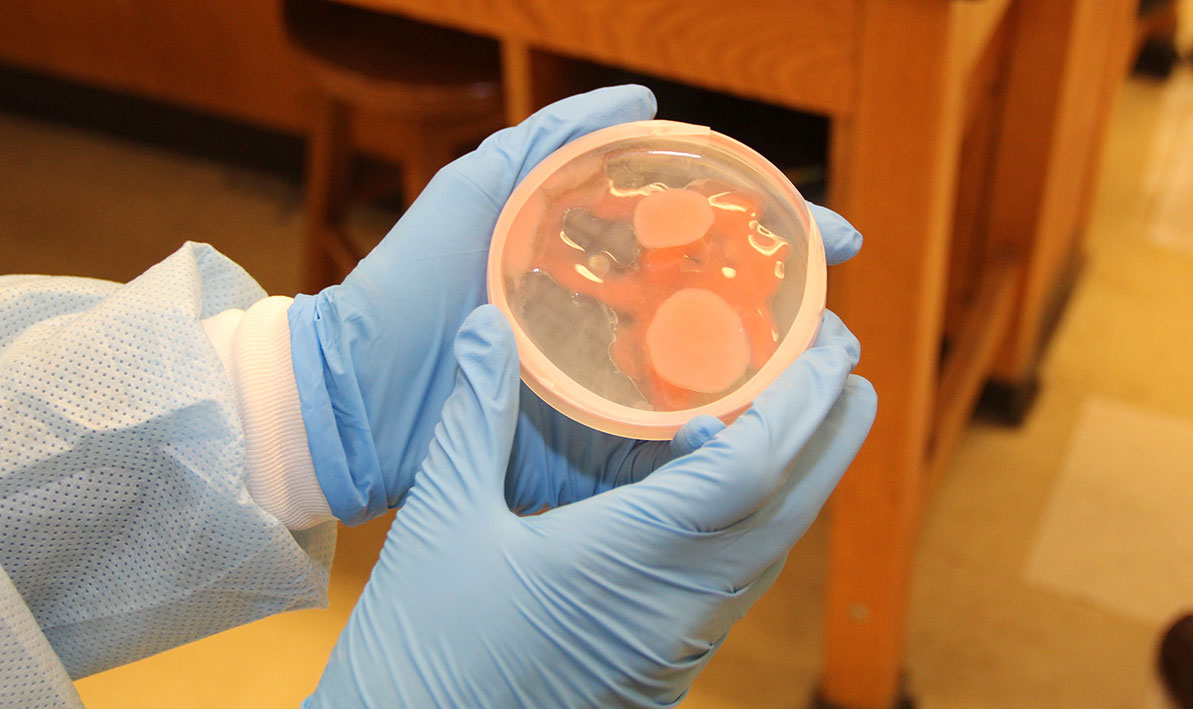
467,458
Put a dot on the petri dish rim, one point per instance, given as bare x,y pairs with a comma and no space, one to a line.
574,400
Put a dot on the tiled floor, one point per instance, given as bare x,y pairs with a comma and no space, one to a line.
1050,554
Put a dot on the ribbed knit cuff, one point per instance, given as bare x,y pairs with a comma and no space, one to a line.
254,346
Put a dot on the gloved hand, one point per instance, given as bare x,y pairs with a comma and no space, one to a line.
373,355
556,461
615,600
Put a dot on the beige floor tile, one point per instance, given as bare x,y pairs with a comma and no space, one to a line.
1118,531
979,640
1128,332
987,506
77,203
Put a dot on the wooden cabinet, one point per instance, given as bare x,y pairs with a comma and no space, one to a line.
229,58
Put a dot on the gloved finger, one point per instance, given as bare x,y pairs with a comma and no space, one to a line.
650,456
735,472
834,332
467,457
582,474
645,457
736,601
841,240
694,434
558,461
770,532
633,462
760,584
585,462
505,157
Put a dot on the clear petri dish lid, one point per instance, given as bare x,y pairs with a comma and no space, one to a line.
656,271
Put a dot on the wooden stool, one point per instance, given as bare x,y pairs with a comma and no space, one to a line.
442,86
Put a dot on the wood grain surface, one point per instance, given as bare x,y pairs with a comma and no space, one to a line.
1067,60
799,54
894,165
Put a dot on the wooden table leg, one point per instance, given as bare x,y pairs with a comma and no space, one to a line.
533,78
893,168
1066,62
329,159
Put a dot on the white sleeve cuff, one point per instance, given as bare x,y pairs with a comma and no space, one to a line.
254,346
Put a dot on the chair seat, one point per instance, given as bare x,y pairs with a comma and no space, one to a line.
441,88
394,65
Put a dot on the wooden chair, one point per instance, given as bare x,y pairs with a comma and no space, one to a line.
440,87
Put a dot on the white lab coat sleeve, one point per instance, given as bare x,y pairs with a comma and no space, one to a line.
126,522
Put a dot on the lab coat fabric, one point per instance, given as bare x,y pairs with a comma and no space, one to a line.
125,525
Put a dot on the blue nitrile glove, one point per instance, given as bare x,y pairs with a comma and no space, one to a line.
615,600
372,357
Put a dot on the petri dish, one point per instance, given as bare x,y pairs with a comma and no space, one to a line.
655,271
